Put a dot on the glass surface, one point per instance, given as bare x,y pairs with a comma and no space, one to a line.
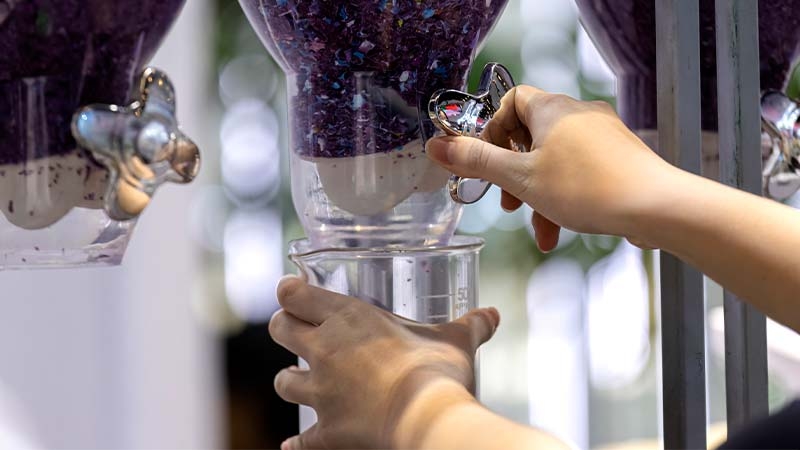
629,47
429,284
56,57
360,76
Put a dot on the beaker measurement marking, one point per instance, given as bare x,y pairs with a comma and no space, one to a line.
429,297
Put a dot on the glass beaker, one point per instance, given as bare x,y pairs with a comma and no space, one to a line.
433,284
429,285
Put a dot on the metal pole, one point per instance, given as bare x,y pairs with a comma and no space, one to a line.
682,301
738,87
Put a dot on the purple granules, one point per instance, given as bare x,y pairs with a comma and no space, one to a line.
361,72
58,55
624,31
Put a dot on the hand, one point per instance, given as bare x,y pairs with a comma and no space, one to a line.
586,170
369,368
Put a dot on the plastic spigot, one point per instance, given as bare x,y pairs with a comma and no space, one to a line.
141,145
461,114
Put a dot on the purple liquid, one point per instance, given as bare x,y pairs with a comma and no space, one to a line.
62,54
624,31
361,72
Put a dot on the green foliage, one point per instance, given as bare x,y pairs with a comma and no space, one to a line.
793,89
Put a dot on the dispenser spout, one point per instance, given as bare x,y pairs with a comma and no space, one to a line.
780,119
461,114
141,145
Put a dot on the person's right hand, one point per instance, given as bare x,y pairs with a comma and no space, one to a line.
586,170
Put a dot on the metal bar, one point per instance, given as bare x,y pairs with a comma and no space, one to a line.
738,92
682,301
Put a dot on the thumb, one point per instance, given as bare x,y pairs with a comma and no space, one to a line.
476,327
474,158
307,440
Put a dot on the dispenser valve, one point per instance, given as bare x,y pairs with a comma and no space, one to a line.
780,119
461,114
140,144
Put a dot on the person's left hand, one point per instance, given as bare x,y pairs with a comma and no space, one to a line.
368,367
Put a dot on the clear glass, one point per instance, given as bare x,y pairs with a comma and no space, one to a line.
51,198
360,76
432,284
56,57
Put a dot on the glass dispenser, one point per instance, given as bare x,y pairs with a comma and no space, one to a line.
624,31
86,132
360,77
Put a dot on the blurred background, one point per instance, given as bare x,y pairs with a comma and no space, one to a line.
171,349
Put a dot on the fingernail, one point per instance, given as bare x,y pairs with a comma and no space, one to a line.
506,209
288,276
495,314
284,279
438,149
285,445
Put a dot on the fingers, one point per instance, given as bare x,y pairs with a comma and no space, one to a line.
640,243
293,384
476,327
291,333
474,158
546,232
309,303
307,440
507,127
509,203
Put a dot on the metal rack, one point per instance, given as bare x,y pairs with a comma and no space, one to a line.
682,287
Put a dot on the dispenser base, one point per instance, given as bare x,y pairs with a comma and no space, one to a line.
82,238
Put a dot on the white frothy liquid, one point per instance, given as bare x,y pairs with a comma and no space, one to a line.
38,193
367,185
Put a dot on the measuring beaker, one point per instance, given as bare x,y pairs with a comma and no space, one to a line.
425,284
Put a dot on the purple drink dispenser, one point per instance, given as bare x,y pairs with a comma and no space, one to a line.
87,133
360,75
625,33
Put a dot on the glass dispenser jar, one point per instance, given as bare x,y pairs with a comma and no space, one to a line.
63,57
360,77
624,32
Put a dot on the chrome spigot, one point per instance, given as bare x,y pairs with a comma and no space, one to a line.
461,114
141,145
780,120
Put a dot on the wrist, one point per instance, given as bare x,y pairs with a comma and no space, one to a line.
425,408
655,193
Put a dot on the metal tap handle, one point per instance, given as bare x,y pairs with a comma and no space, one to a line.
140,144
461,114
780,120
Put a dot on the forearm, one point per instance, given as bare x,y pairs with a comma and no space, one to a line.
445,416
750,245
